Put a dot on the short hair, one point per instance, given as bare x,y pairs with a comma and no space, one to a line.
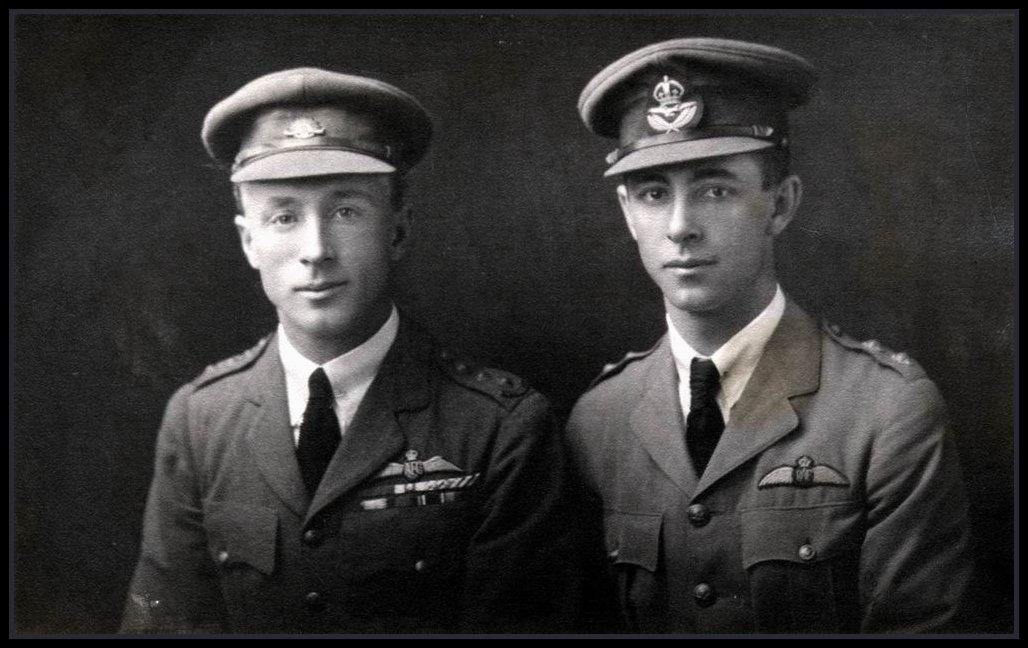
774,165
397,200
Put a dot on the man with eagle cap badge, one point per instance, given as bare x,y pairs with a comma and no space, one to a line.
756,471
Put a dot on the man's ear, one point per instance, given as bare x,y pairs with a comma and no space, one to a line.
402,227
787,201
623,201
246,240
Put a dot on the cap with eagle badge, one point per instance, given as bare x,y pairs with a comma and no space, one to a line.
312,122
694,98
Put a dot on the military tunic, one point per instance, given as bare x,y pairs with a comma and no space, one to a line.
441,511
833,502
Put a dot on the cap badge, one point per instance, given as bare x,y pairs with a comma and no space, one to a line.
304,128
672,114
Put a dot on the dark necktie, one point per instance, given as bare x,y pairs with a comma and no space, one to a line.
704,424
319,432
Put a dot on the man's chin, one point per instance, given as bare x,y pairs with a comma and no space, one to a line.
693,302
323,325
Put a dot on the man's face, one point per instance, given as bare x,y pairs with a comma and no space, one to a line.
705,231
324,247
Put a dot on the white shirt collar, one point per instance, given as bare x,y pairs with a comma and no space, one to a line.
350,374
735,360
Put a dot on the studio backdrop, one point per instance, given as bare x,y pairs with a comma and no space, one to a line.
128,276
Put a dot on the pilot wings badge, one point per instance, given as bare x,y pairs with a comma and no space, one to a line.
412,468
804,474
672,114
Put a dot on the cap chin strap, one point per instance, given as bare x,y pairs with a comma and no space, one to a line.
386,153
766,133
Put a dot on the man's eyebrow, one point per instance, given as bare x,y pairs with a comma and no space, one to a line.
350,193
285,201
639,178
279,201
713,173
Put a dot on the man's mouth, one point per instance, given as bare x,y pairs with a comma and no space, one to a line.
690,263
320,287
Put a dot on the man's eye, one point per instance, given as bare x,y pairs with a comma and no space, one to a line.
653,194
282,218
715,192
344,213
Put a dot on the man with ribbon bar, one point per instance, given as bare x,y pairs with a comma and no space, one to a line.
346,474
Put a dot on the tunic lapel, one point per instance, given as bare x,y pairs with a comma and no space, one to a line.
375,434
789,367
657,419
270,436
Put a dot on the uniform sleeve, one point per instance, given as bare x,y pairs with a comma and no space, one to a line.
602,612
915,560
521,570
174,589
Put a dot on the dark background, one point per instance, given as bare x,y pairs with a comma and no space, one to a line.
128,277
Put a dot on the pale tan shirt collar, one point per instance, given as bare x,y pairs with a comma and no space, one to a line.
350,374
735,360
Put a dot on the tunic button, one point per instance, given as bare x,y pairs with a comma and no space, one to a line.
807,552
419,566
613,555
698,514
312,538
704,594
314,601
222,557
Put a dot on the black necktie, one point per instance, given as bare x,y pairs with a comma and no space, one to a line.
704,424
319,432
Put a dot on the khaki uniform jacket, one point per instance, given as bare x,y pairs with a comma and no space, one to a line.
469,535
833,502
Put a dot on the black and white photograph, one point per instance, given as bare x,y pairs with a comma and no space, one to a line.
513,323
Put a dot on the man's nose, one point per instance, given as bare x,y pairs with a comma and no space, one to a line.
682,224
316,245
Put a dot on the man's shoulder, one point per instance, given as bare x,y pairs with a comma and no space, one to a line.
461,379
626,370
620,383
232,366
471,380
869,358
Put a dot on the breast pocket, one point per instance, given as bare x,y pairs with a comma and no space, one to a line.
633,553
803,566
241,540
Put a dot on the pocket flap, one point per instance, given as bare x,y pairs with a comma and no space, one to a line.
802,535
241,533
633,538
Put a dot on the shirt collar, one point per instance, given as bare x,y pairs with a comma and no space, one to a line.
738,357
346,372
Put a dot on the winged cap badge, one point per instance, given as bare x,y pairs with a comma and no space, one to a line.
804,474
672,114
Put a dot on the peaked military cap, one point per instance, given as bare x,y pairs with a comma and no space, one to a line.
311,122
693,98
